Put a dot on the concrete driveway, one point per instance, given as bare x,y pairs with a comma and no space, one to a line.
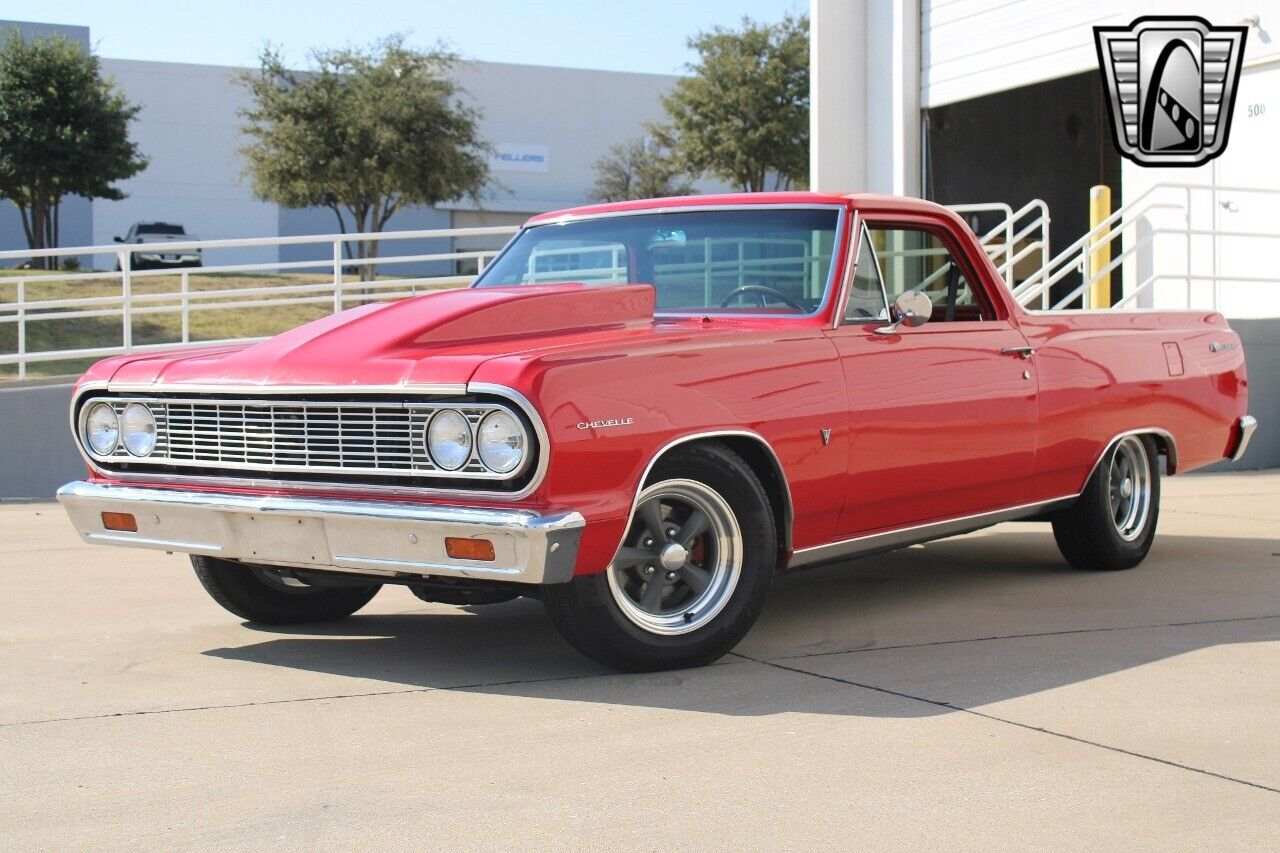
971,693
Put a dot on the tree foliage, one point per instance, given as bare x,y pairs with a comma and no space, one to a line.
64,130
363,133
743,113
638,168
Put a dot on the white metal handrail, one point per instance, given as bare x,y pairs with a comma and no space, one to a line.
1129,235
336,292
1020,235
1015,243
129,305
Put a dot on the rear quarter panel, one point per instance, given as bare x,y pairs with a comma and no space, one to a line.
1104,373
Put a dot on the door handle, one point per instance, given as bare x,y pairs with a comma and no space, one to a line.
1025,352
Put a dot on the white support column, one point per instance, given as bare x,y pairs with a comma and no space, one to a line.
864,124
837,95
893,97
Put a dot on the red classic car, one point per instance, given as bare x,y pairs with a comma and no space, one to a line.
641,411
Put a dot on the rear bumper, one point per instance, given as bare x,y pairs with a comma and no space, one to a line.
366,537
1247,425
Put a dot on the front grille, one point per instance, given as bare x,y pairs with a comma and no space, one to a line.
381,439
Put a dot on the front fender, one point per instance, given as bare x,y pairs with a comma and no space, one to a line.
610,415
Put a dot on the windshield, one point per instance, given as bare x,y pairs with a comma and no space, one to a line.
159,228
767,260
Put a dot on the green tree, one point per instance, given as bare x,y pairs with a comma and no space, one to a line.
638,168
743,113
363,133
64,130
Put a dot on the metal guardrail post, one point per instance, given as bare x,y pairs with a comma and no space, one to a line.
126,287
22,329
1099,291
184,287
1044,250
337,276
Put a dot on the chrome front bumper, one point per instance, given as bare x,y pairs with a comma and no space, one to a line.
366,537
1248,424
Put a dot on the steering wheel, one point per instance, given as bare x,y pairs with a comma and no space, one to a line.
763,291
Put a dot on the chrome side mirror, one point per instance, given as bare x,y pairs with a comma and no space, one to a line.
911,308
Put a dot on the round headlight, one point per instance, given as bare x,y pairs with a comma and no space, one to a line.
138,429
449,440
502,442
102,429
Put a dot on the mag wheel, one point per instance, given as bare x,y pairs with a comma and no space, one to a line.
690,576
1113,523
682,559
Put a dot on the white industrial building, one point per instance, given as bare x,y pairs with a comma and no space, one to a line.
548,126
999,101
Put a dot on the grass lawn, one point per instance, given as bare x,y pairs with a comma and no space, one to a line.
155,328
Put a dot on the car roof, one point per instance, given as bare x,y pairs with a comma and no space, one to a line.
858,200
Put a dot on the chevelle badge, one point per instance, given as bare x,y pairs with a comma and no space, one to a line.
611,422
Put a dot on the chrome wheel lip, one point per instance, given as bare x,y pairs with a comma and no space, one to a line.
725,574
1129,488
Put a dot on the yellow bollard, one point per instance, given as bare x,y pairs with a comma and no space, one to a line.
1100,247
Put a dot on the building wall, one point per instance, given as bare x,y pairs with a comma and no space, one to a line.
1224,204
551,124
976,47
188,127
973,49
571,115
1056,154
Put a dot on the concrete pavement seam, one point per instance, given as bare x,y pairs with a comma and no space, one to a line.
301,699
1028,727
1025,636
1220,515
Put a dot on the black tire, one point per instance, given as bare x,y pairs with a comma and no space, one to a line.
242,591
1087,532
585,610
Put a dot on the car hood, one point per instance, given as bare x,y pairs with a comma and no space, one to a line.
435,339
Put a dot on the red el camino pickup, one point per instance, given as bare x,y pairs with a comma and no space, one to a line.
641,411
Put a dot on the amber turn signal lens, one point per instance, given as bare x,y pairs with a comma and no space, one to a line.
469,549
120,521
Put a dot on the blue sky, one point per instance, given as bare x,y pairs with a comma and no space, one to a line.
636,35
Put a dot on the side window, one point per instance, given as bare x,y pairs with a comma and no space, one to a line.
915,259
866,293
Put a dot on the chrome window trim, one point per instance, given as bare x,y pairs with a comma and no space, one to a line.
267,482
863,234
685,208
842,220
846,280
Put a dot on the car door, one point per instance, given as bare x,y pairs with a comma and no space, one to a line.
942,417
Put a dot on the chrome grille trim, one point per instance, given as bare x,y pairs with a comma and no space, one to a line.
304,436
